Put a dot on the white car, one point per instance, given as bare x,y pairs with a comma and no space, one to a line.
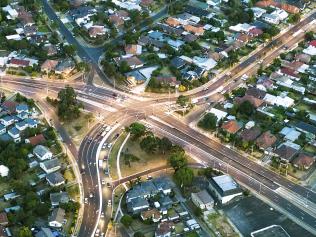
91,195
109,145
109,203
103,182
102,214
86,200
97,232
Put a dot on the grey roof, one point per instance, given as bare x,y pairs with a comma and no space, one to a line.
22,107
177,62
65,65
165,201
196,11
205,197
61,197
49,164
306,127
139,202
142,189
40,150
225,185
55,178
5,137
162,183
14,131
44,232
136,74
57,215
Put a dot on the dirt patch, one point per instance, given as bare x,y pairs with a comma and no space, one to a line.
78,128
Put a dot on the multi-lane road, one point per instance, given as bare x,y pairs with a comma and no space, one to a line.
131,107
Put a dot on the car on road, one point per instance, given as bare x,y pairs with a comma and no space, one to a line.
105,158
104,146
109,203
91,195
97,232
108,185
86,200
109,145
106,172
102,214
103,182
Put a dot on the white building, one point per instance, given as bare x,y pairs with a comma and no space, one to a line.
224,188
57,218
258,12
283,101
4,171
203,200
218,113
205,63
42,152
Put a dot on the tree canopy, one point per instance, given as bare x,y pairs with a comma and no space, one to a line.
68,107
208,122
137,130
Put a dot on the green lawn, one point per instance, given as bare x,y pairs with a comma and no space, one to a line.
146,161
113,155
43,28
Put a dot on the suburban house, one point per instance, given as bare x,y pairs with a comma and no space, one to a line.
57,198
133,49
49,65
7,120
50,166
251,134
57,218
65,67
55,179
203,200
266,140
303,161
15,134
137,205
232,126
164,229
225,188
152,214
35,140
286,151
42,152
3,219
45,232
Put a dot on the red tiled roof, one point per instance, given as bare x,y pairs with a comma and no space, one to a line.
286,7
231,126
9,105
313,43
266,140
289,72
20,62
255,32
37,139
197,30
304,160
253,100
172,22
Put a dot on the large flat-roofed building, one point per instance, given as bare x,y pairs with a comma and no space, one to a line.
225,188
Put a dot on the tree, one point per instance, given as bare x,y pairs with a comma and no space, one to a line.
183,100
246,108
68,107
184,177
208,122
25,232
126,220
137,130
69,50
309,35
149,144
294,18
165,145
124,67
177,160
